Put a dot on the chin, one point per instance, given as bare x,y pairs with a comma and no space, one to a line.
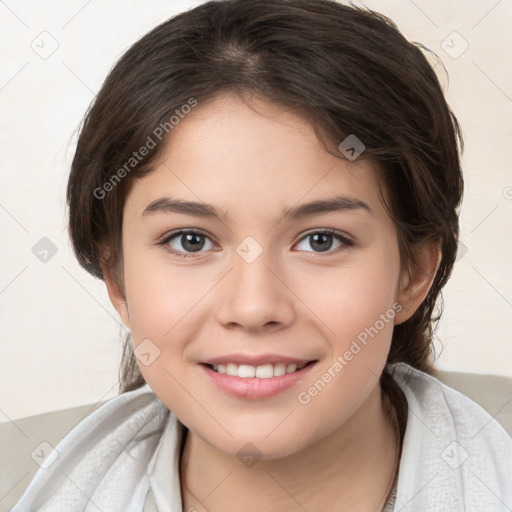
255,443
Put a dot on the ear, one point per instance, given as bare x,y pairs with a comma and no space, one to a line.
116,293
415,282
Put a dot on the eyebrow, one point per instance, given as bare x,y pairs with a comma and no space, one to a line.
197,209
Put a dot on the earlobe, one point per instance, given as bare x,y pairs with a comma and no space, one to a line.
116,294
415,284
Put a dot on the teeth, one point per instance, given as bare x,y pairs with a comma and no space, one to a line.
244,370
291,368
265,371
279,369
232,369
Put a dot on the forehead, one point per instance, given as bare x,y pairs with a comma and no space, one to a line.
252,157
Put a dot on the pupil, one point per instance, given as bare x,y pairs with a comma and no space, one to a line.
189,237
324,238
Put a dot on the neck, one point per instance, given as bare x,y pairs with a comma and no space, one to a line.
352,469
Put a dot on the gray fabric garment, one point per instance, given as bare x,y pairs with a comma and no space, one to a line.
390,505
455,457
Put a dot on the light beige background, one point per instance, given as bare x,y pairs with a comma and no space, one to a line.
60,337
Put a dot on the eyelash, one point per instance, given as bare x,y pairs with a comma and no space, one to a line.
337,235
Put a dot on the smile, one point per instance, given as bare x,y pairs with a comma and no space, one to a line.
255,382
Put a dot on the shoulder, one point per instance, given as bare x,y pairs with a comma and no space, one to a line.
453,449
109,450
435,399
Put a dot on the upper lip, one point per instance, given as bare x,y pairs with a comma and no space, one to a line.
256,360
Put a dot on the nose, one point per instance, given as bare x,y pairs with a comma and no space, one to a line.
255,297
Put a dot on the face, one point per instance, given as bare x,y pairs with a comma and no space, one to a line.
256,292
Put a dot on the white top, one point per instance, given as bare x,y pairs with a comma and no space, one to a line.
124,457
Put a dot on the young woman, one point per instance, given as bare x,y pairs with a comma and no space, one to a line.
270,191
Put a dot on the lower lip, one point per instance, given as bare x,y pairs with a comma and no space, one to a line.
253,388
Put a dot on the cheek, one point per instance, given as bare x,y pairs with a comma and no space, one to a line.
167,307
160,296
352,297
159,310
357,307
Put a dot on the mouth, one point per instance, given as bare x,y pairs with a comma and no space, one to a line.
256,382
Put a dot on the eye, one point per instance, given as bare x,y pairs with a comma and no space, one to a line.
190,241
193,242
321,241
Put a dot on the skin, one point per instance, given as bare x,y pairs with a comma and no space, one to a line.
337,452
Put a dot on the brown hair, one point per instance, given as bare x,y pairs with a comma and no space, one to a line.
347,69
